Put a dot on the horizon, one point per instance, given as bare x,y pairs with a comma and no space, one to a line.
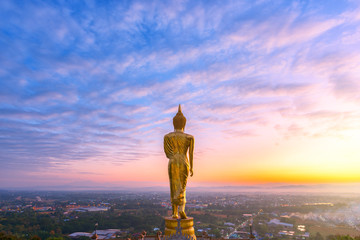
314,189
270,92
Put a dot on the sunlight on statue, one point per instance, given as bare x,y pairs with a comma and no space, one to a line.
176,146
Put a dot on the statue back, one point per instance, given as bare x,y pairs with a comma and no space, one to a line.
176,142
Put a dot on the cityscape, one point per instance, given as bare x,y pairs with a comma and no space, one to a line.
124,215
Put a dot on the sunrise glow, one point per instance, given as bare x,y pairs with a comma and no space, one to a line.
270,91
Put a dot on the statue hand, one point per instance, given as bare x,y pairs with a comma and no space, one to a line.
191,172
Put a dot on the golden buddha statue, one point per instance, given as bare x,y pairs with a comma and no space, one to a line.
176,146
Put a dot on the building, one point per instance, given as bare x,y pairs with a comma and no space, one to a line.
276,222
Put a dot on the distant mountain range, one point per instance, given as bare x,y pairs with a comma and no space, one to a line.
160,187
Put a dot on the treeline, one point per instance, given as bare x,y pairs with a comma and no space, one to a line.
7,236
29,224
318,236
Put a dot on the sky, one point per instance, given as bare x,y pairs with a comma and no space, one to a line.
270,90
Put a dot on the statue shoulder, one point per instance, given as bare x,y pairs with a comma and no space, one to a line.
169,135
190,136
178,134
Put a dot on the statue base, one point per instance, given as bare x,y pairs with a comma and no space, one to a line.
186,225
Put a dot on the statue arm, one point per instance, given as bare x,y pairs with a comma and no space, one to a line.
191,154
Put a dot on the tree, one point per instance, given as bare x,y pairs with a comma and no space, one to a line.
318,236
339,237
4,236
35,237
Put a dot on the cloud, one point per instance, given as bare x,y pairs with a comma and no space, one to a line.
101,81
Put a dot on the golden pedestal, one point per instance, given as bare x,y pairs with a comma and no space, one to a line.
186,225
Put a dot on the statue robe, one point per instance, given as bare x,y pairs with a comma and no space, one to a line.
176,145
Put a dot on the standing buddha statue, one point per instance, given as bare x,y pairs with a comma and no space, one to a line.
176,146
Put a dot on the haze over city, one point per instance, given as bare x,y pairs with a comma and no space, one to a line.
270,90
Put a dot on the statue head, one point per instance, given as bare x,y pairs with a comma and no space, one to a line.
179,120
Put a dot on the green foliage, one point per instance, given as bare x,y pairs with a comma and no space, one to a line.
36,237
216,232
318,236
5,236
342,237
53,226
84,238
262,229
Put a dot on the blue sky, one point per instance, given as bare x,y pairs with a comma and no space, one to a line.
91,86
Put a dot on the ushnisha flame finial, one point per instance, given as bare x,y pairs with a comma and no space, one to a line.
179,120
